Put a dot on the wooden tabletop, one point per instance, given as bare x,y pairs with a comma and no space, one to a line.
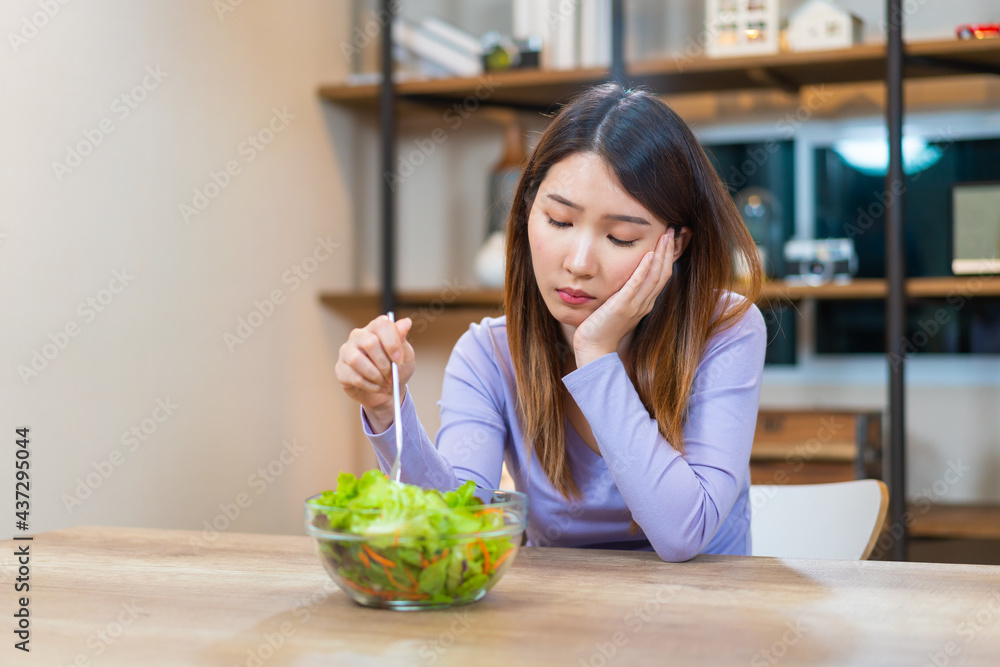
125,596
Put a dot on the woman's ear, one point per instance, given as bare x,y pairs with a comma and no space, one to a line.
681,240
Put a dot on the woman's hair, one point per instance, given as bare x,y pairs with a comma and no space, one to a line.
661,165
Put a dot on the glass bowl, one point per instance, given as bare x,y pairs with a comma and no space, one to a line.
414,560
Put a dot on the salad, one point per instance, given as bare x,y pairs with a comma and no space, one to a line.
399,542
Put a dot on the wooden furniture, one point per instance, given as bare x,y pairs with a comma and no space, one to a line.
814,446
954,533
543,89
955,521
490,301
124,596
840,520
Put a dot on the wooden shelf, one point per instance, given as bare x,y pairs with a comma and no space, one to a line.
778,290
541,89
475,299
955,521
877,288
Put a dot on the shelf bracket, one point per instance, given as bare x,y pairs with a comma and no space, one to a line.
772,79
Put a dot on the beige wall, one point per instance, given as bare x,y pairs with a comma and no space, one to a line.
161,337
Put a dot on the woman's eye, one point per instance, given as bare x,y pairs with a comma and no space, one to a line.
619,242
557,224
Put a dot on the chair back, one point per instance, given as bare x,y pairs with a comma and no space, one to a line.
840,520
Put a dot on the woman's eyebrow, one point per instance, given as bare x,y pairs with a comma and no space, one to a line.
610,216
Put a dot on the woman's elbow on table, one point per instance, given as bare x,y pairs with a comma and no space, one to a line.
676,552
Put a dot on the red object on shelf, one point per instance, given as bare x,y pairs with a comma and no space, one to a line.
978,31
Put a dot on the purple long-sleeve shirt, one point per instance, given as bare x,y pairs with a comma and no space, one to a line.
685,505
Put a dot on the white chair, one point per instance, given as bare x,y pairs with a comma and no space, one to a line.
841,520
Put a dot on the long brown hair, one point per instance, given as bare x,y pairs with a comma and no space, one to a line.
659,163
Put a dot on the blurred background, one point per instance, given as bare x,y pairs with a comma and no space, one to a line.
178,198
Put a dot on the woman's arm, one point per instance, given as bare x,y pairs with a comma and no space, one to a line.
470,442
680,501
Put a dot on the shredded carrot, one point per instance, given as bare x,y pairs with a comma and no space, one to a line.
363,589
396,542
410,577
506,554
364,559
423,561
486,556
392,580
378,559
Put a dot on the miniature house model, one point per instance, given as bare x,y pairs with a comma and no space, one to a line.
819,24
741,27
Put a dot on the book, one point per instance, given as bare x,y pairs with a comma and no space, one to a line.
563,21
455,37
595,33
439,53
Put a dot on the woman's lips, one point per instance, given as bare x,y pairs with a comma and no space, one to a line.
573,298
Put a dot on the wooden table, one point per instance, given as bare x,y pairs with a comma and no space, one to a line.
138,597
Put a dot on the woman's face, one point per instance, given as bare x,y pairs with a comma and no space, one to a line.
587,236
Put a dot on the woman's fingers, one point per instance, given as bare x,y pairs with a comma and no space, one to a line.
366,368
349,377
369,350
370,344
667,264
651,278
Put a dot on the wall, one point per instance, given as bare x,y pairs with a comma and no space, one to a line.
158,339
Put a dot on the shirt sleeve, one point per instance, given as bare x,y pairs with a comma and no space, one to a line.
470,442
680,501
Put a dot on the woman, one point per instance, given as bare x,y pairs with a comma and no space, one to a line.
623,359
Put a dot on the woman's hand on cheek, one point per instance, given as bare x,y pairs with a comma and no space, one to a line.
603,330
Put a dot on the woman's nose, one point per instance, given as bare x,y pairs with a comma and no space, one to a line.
580,258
